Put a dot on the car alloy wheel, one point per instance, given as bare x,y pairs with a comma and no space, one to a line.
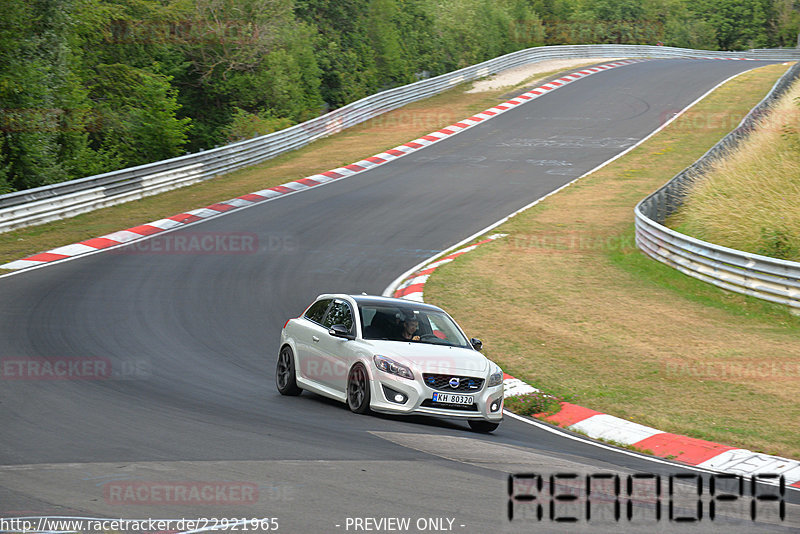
284,374
358,389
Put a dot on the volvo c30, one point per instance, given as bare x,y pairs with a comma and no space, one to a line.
389,355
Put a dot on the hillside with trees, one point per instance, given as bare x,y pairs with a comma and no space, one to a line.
90,86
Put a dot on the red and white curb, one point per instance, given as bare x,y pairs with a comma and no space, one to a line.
183,219
692,451
729,58
411,288
597,425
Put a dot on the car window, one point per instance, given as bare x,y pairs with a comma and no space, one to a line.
434,327
339,314
439,331
317,310
367,316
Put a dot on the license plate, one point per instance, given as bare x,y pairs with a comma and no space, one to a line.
450,398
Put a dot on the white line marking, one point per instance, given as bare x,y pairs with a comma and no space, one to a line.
575,437
391,287
271,195
389,291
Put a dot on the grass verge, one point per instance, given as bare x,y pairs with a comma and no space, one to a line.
536,403
362,141
567,303
750,200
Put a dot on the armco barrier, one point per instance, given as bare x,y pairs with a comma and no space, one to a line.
66,199
751,274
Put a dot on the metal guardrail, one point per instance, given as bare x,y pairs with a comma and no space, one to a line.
66,199
751,274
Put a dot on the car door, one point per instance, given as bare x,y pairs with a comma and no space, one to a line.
309,358
336,352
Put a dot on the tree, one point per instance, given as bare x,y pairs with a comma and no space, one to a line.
5,184
343,49
138,111
614,21
382,32
739,24
89,86
787,23
256,57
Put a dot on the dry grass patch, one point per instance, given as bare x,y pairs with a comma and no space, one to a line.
751,199
567,303
362,141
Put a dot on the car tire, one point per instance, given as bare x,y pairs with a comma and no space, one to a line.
358,393
285,376
483,426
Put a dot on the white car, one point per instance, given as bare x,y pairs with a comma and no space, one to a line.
392,356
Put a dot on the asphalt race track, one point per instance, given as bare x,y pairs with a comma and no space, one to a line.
192,341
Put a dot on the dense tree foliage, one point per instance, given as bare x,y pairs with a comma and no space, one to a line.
89,86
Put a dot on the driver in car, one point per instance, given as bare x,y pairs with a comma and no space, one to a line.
409,328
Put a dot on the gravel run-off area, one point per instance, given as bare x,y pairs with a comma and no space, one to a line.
515,76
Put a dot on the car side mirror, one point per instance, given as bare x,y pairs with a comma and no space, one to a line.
477,344
340,330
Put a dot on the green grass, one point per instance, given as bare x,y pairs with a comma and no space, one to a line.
568,304
750,200
364,140
532,404
665,277
598,326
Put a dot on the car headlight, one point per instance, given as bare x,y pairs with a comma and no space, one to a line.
495,379
387,365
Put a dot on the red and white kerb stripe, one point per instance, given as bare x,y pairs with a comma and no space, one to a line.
182,219
594,424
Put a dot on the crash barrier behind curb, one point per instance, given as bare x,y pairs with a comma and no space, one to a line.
66,199
751,274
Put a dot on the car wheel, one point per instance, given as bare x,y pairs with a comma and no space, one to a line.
285,377
358,389
483,426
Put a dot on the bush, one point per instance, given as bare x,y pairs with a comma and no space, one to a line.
246,125
533,403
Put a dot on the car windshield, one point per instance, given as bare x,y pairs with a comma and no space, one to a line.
409,323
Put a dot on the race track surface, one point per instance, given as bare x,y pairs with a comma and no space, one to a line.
192,342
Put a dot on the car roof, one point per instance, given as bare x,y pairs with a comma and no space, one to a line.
387,301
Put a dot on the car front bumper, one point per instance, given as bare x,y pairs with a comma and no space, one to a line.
418,399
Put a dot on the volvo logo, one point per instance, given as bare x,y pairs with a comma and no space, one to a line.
454,382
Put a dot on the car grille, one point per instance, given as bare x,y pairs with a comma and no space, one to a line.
441,405
442,382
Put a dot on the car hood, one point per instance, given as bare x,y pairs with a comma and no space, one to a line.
429,358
